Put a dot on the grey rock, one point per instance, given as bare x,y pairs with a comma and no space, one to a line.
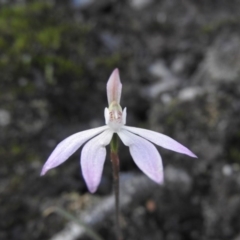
132,187
140,4
159,69
190,93
112,42
180,63
167,81
5,117
237,238
161,87
178,176
82,3
222,61
227,170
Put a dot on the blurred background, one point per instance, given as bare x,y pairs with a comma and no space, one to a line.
179,63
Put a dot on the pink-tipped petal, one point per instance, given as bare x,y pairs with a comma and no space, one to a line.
114,87
68,146
92,159
144,154
161,140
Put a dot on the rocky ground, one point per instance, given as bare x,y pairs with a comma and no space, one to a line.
180,67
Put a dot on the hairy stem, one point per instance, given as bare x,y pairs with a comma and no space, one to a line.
115,166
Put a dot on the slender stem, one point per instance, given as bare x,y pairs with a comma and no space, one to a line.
115,166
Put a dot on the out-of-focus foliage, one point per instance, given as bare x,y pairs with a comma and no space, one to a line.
45,49
39,35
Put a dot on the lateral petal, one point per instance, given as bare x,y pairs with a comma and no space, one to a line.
144,154
93,157
161,140
68,146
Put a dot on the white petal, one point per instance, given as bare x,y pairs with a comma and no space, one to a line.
114,87
161,140
144,154
124,116
93,157
68,146
106,115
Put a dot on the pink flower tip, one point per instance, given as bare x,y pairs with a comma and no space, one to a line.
114,87
115,71
191,154
92,189
160,179
43,172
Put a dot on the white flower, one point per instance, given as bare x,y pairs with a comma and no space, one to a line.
139,141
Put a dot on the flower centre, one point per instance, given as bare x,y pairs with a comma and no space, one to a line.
114,116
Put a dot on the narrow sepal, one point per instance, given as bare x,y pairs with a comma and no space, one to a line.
161,140
144,154
92,159
68,146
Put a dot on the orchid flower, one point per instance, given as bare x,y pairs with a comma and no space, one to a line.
139,141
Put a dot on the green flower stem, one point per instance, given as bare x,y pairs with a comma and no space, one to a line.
115,166
114,144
